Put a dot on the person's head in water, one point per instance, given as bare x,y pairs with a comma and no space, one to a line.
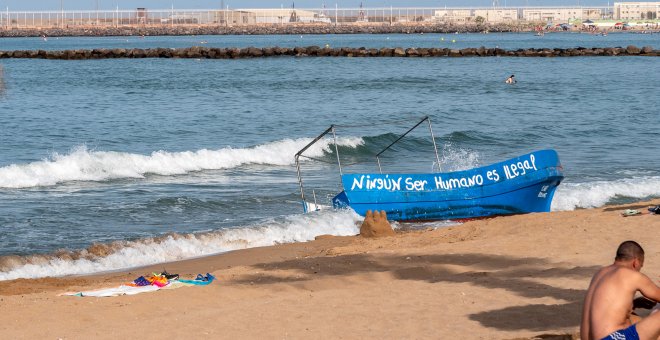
512,76
630,251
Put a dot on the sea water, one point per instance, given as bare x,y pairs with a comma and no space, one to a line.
117,163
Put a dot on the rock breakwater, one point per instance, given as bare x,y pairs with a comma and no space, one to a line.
196,52
289,28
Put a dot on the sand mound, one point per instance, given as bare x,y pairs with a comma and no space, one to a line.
376,225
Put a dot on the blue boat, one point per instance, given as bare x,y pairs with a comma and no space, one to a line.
520,185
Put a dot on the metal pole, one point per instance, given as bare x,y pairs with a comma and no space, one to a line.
316,206
403,135
334,136
302,191
435,147
297,158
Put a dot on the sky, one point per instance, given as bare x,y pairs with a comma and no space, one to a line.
35,5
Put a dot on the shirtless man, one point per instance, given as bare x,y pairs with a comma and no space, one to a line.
608,304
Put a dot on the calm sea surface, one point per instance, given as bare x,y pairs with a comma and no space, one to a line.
163,159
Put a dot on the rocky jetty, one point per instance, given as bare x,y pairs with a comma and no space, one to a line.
197,52
297,29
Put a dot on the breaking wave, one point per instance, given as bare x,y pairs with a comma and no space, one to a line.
174,247
570,196
82,164
455,158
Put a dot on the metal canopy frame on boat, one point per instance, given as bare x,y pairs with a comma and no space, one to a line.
332,129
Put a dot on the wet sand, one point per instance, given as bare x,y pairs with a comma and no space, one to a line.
515,277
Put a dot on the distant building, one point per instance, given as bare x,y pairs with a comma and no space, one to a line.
636,10
288,15
453,15
560,14
231,17
496,15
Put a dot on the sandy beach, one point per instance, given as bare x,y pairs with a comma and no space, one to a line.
516,277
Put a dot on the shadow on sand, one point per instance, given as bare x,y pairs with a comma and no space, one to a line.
490,271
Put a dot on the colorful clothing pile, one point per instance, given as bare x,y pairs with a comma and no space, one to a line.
159,280
148,284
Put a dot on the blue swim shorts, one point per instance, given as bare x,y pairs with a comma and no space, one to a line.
629,333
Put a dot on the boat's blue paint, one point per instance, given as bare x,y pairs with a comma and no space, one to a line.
520,185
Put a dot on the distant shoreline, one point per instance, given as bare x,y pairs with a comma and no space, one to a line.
289,29
292,29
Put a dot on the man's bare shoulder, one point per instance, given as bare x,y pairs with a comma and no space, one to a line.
617,275
629,273
603,272
625,278
617,270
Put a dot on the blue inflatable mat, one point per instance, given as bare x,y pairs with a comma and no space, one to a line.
200,280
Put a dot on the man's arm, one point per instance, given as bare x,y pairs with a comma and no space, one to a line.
584,325
648,288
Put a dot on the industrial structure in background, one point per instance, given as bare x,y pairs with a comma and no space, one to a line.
636,10
636,13
619,11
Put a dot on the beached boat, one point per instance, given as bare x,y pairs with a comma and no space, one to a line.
524,184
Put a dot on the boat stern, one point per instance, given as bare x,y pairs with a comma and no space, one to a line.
340,201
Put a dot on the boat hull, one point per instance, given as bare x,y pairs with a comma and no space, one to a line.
520,185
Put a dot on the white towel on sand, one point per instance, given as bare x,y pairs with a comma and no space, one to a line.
121,290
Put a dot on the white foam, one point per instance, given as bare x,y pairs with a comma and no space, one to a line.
82,164
296,228
570,196
456,159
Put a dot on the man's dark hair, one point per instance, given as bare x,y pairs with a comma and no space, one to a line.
629,250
